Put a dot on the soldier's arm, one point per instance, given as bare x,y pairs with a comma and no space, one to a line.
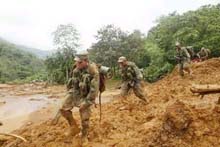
187,53
198,55
94,89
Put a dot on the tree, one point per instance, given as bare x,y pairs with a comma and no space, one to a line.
194,28
107,49
66,41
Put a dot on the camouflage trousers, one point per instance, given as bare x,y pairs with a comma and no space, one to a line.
137,88
185,65
72,100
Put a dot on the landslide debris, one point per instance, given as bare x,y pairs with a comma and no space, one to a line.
173,117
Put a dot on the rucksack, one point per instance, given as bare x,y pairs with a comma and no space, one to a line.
190,51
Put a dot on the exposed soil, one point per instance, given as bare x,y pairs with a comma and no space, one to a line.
174,117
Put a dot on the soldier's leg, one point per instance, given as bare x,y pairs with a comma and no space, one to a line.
139,91
85,116
67,114
181,69
186,67
125,89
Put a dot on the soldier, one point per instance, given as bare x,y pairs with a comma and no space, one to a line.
131,78
204,53
183,58
82,90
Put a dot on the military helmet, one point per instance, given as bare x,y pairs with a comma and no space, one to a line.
81,55
177,44
203,48
122,59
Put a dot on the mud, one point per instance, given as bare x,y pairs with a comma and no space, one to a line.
173,117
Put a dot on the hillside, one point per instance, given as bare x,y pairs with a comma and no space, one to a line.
37,52
16,63
173,117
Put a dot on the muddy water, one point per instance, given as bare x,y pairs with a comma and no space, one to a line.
14,112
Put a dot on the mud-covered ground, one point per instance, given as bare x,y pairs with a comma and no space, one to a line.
174,117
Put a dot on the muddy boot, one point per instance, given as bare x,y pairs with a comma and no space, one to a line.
84,141
84,136
72,131
143,100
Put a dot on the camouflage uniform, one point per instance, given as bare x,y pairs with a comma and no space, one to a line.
83,89
131,78
204,54
183,58
191,52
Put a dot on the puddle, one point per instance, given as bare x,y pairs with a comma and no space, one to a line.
15,111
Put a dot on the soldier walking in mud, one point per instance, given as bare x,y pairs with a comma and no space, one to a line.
183,58
83,89
204,53
131,78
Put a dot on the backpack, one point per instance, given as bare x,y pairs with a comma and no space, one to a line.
103,74
190,51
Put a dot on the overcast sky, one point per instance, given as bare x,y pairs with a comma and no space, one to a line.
31,22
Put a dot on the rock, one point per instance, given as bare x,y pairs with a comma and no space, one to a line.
177,118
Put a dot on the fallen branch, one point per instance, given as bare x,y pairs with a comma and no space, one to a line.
205,89
14,135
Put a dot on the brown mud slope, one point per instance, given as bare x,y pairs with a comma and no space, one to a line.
173,117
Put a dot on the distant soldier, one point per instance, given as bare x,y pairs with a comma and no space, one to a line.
183,59
83,89
204,53
131,78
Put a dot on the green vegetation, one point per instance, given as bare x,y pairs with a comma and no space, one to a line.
17,65
59,64
153,52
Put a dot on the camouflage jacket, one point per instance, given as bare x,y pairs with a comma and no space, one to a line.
204,54
183,55
85,83
131,72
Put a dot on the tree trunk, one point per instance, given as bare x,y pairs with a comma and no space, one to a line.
202,89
